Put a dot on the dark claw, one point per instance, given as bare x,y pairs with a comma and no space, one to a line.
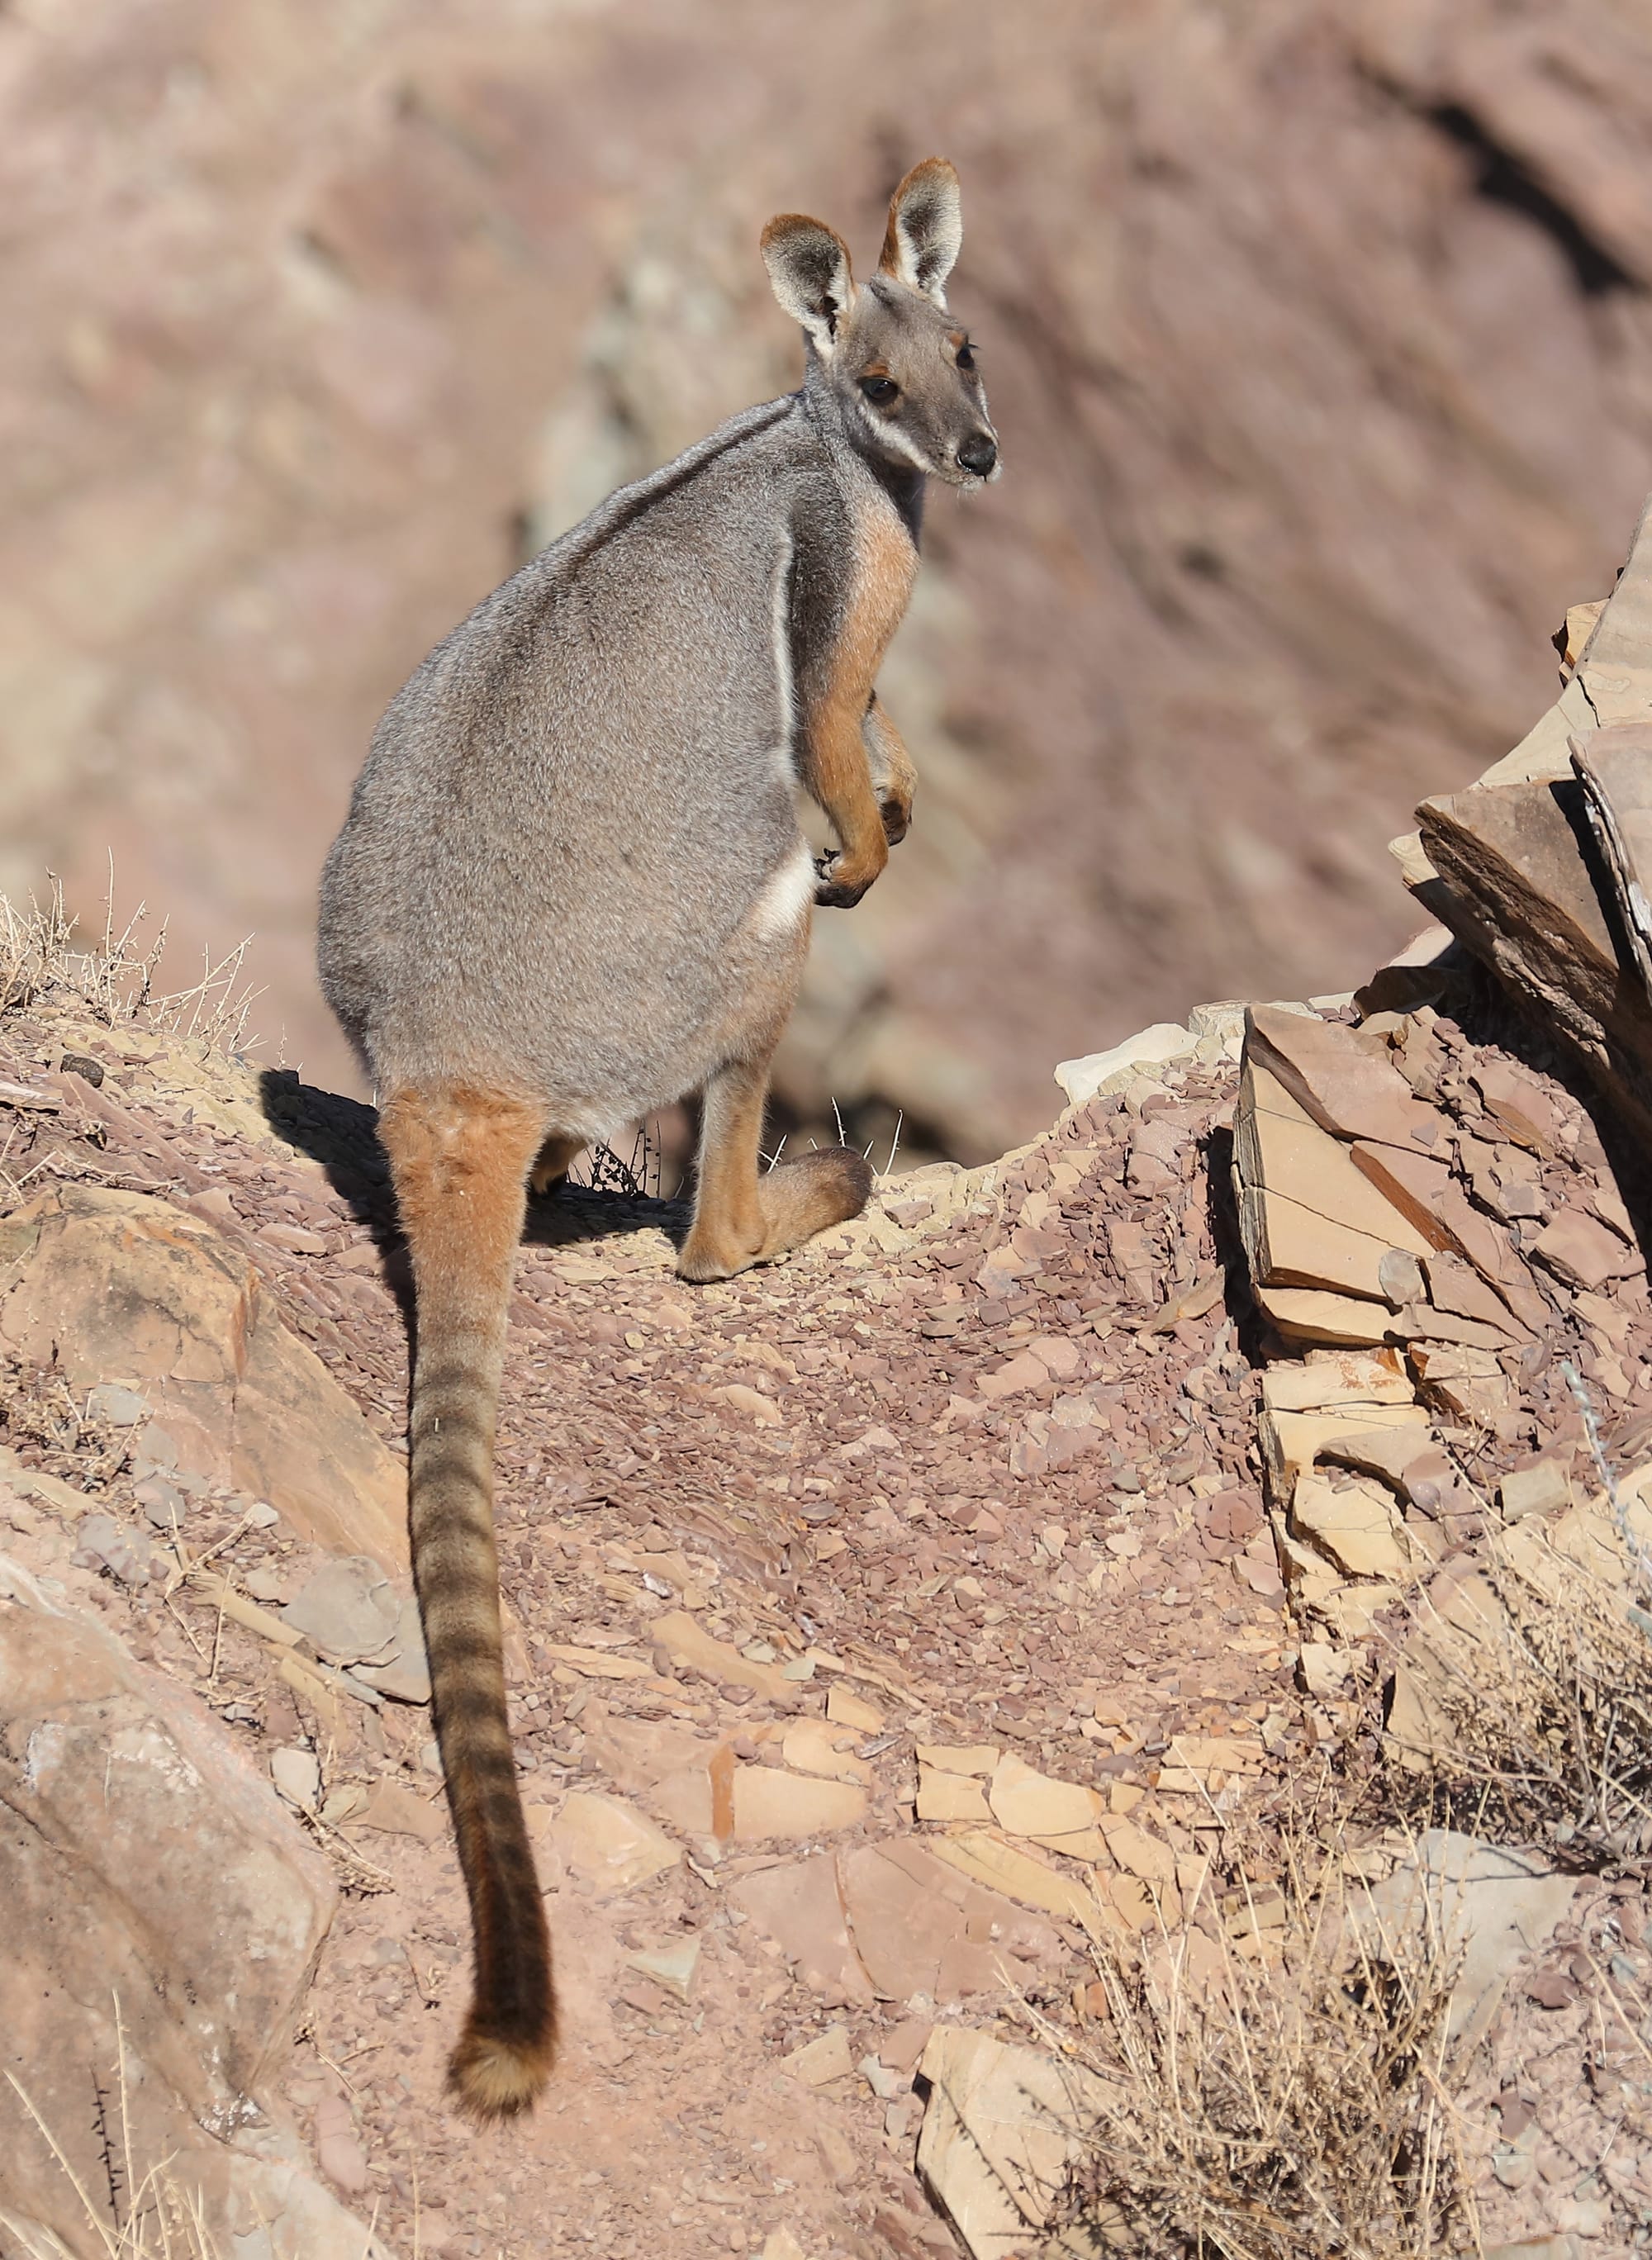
828,893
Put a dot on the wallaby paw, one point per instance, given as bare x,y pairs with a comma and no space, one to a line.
701,1261
812,1192
839,885
897,817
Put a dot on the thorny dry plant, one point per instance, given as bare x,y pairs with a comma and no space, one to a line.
602,1170
135,2210
1278,2091
117,981
148,2215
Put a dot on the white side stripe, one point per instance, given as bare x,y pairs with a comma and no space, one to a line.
783,900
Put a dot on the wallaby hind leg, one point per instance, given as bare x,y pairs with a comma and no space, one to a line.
744,1212
556,1157
460,1160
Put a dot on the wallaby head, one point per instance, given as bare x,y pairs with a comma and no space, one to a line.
896,369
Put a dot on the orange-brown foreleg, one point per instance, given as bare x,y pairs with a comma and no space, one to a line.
841,708
842,781
894,779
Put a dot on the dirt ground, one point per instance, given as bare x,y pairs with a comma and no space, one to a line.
846,1474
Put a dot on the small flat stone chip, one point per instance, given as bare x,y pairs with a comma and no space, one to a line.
819,2062
401,1812
1345,1079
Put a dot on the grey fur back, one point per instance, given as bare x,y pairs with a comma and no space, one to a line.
547,878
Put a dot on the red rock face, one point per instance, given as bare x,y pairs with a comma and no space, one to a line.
1316,341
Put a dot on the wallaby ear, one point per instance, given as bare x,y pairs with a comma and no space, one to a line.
926,229
809,266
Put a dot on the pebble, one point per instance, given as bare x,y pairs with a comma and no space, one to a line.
114,1404
103,1543
349,1610
163,1504
339,2151
1513,2167
297,1774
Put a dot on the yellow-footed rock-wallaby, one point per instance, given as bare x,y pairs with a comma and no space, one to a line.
572,888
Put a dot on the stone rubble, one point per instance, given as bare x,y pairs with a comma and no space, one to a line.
159,1914
886,1631
1515,867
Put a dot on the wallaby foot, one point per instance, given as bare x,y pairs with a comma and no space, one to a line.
743,1215
795,1200
556,1156
811,1192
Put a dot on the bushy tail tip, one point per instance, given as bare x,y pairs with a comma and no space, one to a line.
494,2079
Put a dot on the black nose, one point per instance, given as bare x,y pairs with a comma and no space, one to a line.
979,455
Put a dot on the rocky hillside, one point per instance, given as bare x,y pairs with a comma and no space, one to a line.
1108,1594
1318,335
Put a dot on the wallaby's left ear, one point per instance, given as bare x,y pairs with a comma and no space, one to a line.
808,265
926,229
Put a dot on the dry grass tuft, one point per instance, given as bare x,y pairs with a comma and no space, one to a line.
1536,1700
1523,1696
1281,2093
116,981
37,1406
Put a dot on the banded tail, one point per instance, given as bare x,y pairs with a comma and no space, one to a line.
460,1160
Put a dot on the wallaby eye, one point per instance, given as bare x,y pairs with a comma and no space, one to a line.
966,357
880,390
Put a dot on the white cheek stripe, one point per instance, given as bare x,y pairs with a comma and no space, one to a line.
780,907
892,435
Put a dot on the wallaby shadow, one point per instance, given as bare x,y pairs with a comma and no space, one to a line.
342,1135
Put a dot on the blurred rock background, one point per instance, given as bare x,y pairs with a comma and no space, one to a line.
1317,333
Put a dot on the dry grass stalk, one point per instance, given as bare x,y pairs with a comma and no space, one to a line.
117,982
1289,2103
